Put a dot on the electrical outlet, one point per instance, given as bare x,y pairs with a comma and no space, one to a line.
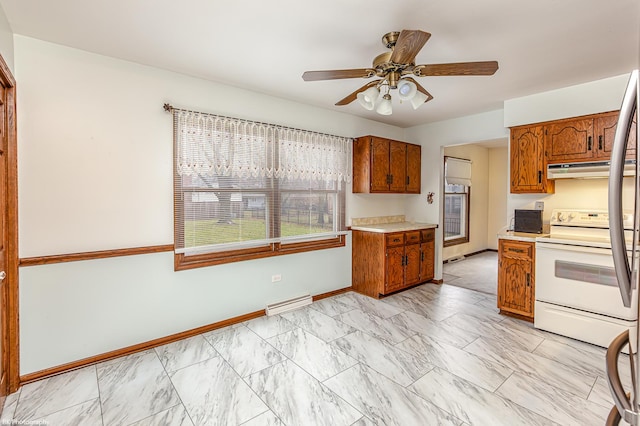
275,278
539,205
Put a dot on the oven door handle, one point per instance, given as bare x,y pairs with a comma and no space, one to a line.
616,174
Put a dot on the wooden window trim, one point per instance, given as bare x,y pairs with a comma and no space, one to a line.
182,262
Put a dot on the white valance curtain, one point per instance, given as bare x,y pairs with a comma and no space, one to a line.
457,171
216,145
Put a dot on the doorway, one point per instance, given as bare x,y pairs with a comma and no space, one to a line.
485,214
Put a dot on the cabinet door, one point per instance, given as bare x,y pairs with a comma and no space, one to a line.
394,274
412,264
379,165
515,284
605,130
398,166
426,261
528,174
413,168
570,140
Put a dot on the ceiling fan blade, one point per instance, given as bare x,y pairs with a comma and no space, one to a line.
352,97
420,88
460,68
337,74
408,45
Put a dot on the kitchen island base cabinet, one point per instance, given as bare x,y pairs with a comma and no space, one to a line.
384,263
516,280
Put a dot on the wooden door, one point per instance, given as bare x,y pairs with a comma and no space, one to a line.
394,274
570,141
412,264
605,129
397,166
427,260
413,168
9,361
514,286
379,165
528,174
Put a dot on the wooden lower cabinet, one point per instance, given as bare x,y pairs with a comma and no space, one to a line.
427,255
516,278
384,263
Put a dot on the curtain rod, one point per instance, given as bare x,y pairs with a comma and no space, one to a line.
169,108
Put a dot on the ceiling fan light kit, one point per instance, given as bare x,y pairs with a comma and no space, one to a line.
407,90
385,107
418,99
369,97
394,70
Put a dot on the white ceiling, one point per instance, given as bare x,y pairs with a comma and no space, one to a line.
265,46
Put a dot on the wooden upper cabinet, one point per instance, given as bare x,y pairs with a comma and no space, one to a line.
586,139
385,166
582,139
397,166
605,130
380,153
570,140
414,153
528,166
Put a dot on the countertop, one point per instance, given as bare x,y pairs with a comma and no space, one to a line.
520,236
394,227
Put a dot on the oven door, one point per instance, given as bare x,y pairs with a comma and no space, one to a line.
581,278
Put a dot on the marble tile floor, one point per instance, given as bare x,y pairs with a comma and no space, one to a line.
431,355
477,272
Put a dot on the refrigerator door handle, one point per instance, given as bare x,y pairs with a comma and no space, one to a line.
613,378
616,226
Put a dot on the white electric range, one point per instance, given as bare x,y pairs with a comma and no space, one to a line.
576,293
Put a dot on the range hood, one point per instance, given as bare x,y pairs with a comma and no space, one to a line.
591,169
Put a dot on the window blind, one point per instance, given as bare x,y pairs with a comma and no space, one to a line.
457,171
240,184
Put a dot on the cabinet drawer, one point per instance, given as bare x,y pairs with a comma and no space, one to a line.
412,237
428,235
516,249
396,239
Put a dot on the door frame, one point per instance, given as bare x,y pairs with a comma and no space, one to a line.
10,333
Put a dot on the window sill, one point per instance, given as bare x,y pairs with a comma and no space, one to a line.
455,242
182,262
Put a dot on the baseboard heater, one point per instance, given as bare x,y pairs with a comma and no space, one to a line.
288,305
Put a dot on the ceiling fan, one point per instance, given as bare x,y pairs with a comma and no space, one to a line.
395,69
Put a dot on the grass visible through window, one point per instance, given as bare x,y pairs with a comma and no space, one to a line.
204,232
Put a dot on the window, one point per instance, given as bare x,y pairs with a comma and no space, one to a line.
246,190
457,190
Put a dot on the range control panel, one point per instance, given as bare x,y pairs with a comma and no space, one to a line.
586,218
